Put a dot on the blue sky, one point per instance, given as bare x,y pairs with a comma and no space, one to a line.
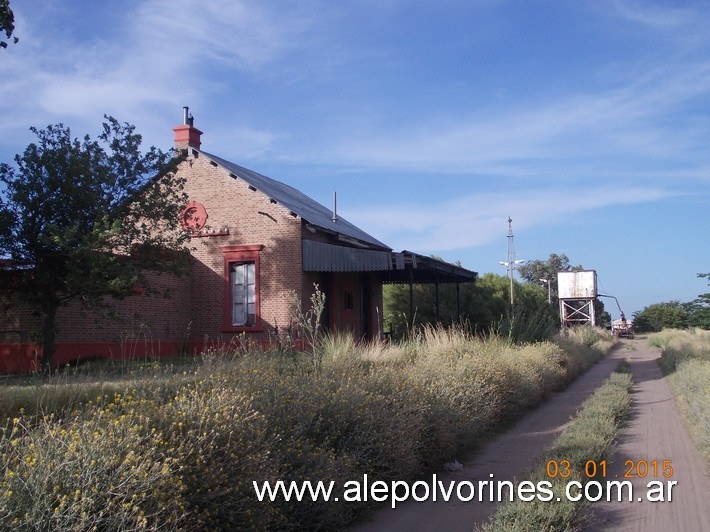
587,122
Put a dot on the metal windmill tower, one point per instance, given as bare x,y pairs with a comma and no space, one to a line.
511,262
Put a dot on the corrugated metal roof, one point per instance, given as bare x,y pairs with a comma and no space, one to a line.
322,257
399,267
298,203
412,267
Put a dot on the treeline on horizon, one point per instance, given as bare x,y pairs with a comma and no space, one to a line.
484,307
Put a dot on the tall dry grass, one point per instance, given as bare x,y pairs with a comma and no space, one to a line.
685,359
180,448
590,436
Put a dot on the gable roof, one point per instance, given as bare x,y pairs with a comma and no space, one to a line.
297,202
368,253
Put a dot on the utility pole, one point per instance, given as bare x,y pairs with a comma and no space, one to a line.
511,262
549,295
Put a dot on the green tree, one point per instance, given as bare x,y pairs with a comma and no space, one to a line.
85,219
7,22
699,309
602,317
484,305
672,314
489,302
396,305
534,270
533,319
474,307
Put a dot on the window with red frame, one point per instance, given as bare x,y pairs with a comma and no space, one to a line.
243,284
241,292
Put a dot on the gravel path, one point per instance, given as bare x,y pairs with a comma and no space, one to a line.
655,432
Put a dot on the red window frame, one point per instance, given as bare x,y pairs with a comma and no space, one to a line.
241,254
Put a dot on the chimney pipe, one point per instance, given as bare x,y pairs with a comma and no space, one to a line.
335,206
186,134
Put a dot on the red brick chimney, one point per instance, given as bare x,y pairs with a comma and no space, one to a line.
186,135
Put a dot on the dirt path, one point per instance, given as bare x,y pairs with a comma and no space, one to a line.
655,432
507,457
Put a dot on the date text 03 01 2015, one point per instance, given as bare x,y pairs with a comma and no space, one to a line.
597,469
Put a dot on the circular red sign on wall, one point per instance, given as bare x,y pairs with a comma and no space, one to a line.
193,216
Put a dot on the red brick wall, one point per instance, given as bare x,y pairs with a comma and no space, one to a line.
17,352
139,325
16,320
140,317
251,219
194,314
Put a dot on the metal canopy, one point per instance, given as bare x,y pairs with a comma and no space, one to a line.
412,268
405,267
323,257
409,267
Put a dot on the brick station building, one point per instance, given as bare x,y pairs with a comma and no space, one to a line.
257,243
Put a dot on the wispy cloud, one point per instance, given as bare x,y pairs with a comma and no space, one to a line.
157,59
475,219
237,33
636,118
651,14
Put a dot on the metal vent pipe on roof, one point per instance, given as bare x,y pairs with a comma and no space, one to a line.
335,206
187,118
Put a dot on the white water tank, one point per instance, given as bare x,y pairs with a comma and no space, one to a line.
577,285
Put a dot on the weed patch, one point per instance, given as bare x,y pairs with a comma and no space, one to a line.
685,359
590,436
178,448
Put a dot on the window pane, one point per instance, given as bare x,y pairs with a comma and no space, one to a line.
243,293
238,310
251,294
240,272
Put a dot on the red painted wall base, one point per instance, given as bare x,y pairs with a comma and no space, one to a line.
27,357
